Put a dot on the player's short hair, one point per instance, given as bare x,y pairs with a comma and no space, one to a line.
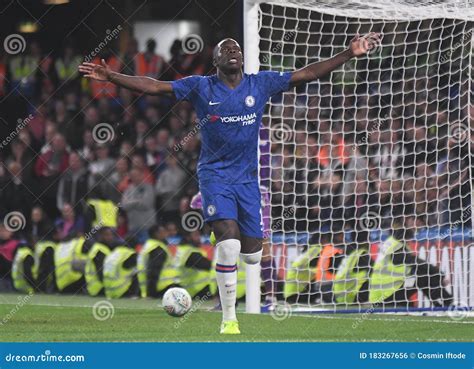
217,47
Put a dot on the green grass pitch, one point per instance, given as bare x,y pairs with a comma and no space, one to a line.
40,318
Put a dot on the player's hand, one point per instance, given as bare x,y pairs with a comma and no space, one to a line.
361,45
95,71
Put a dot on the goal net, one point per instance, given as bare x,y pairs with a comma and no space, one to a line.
369,170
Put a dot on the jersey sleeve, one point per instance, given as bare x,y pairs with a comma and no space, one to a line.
186,88
274,83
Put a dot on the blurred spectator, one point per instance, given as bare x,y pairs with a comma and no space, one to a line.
66,68
46,74
153,115
103,89
138,161
87,150
149,63
3,74
150,153
16,195
162,145
122,224
169,187
91,116
54,160
138,202
185,64
386,153
23,69
48,167
142,129
72,188
40,227
189,155
67,124
129,58
102,166
8,246
101,210
172,229
37,126
23,155
120,178
184,206
69,225
193,262
126,149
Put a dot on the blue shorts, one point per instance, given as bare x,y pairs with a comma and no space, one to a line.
240,202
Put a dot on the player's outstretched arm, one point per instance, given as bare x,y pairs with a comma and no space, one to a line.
359,46
145,85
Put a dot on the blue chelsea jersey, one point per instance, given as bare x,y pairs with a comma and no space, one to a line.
229,122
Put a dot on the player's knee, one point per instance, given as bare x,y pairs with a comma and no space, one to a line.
254,258
228,251
225,229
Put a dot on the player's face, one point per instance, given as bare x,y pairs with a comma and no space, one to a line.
229,56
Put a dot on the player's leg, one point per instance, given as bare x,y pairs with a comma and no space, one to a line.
220,210
250,221
227,253
268,271
251,249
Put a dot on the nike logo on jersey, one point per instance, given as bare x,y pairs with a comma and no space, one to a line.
213,103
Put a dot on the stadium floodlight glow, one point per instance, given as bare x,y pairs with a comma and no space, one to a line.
28,27
55,2
389,132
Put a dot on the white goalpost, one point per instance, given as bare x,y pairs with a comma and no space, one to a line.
252,65
370,168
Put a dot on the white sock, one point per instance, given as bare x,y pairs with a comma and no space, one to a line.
252,259
226,274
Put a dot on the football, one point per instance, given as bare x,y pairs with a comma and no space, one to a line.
177,301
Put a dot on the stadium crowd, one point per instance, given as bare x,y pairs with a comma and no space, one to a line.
94,157
58,161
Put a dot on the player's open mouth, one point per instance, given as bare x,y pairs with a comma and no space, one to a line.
233,61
